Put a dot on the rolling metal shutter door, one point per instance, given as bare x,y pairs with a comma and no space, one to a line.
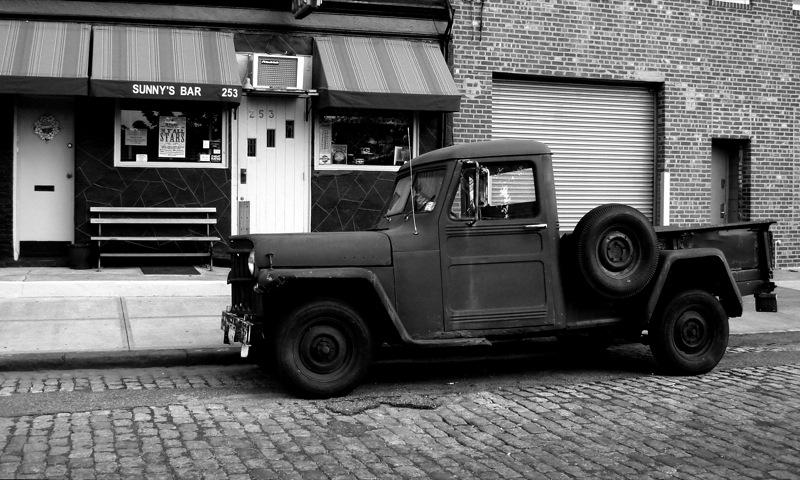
602,138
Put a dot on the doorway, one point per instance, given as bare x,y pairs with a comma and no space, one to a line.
274,158
727,156
45,165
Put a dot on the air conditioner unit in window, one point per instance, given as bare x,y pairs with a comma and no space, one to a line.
281,72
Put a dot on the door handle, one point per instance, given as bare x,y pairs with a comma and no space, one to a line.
536,226
69,175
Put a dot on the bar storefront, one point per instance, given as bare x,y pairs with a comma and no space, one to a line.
162,116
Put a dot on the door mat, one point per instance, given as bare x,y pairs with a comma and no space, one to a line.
169,270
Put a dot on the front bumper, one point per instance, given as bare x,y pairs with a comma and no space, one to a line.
242,327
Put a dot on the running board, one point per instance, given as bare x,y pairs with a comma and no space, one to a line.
450,342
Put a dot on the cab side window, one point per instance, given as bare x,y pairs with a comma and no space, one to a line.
496,191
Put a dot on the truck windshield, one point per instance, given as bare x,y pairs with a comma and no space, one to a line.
426,188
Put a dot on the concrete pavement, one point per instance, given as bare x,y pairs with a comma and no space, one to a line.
52,317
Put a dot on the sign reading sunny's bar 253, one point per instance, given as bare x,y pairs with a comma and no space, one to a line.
182,92
189,64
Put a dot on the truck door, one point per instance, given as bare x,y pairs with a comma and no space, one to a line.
496,251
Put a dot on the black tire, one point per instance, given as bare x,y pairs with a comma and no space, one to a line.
617,250
322,349
689,335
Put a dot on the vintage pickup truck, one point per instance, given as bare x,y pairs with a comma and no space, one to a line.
469,252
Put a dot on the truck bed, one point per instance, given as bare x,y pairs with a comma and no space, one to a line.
747,247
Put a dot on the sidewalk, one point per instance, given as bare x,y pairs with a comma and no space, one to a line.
57,317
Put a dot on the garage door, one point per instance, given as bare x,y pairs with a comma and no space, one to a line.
602,138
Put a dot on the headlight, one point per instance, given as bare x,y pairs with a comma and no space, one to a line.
251,262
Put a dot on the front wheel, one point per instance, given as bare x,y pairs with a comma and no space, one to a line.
689,335
322,349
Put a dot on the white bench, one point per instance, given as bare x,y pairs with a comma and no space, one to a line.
109,217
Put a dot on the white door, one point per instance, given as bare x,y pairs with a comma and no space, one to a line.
45,189
719,185
273,163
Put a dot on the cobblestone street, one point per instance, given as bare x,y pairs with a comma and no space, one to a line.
734,423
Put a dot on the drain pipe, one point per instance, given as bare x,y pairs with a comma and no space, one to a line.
446,41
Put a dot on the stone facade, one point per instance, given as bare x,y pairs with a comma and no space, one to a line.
347,201
722,73
98,183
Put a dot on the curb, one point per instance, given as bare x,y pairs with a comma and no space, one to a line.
231,356
124,359
113,288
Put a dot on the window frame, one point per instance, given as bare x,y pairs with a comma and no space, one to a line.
362,168
477,189
226,135
409,202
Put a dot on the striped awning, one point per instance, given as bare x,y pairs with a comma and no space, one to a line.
164,63
382,73
44,58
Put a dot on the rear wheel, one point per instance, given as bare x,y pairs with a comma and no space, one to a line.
617,250
322,349
689,335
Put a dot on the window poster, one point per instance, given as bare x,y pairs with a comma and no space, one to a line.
325,143
136,137
172,137
215,146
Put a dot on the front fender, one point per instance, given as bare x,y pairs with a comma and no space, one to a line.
703,268
273,278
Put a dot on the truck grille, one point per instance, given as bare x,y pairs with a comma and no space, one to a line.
241,282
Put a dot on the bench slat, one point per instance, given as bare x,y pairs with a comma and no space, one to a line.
153,209
160,221
165,239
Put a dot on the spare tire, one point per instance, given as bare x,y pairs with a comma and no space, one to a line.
617,250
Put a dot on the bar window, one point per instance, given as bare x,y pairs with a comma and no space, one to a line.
355,139
170,134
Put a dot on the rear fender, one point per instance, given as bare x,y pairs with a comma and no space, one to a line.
273,281
702,268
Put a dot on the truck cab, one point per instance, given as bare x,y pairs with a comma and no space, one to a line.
479,251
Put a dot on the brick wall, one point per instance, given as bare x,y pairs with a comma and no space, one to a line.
727,73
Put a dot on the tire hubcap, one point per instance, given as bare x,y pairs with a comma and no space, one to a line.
692,332
323,349
616,252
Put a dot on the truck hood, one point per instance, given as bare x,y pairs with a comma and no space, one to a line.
331,249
